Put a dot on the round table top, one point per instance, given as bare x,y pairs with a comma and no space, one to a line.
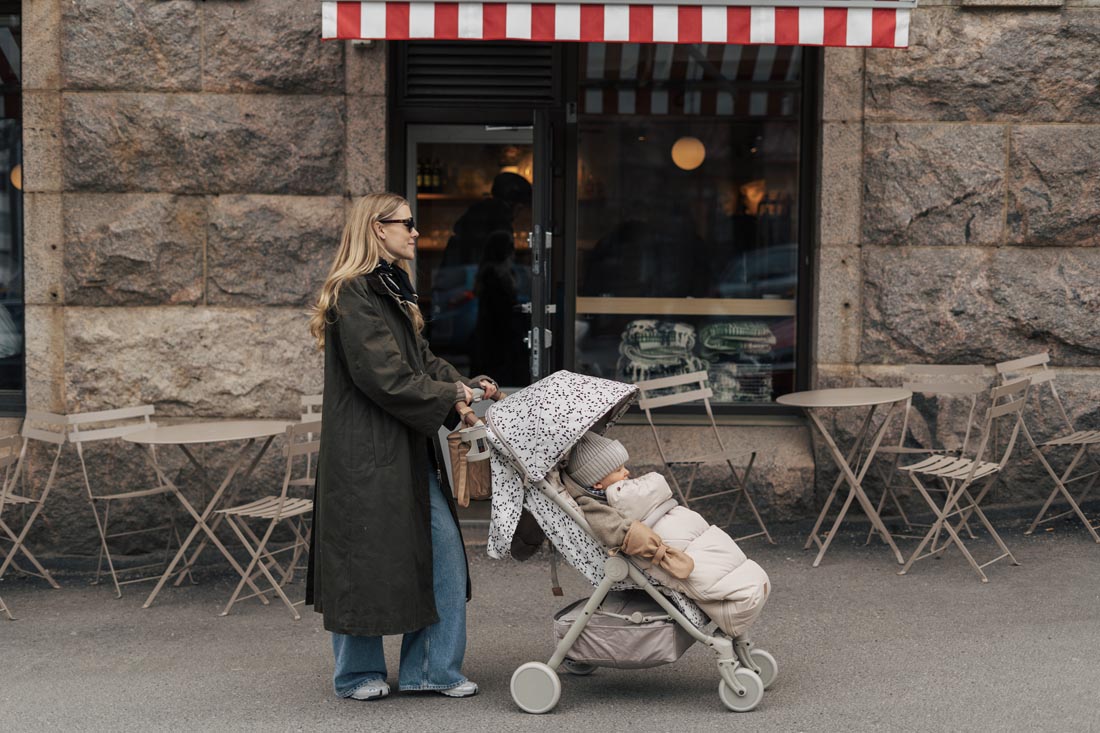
219,431
845,397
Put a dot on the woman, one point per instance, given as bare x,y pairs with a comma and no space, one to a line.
387,555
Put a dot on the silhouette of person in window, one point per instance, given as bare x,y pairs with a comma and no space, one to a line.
498,335
510,191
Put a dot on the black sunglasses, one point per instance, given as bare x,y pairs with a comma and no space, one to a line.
409,223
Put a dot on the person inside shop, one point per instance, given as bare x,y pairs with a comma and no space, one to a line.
498,345
386,553
510,192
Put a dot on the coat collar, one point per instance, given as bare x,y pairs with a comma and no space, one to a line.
378,285
375,283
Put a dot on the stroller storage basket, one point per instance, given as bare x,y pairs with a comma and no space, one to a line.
628,631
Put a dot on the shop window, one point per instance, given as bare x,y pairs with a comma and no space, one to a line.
688,241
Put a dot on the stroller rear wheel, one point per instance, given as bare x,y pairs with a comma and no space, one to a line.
536,688
579,669
769,668
754,691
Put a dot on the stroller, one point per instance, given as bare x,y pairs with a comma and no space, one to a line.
630,621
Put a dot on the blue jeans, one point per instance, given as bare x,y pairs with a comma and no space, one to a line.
431,657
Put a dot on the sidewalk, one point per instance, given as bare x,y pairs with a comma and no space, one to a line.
859,649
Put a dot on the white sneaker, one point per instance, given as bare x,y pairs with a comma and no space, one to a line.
375,690
466,689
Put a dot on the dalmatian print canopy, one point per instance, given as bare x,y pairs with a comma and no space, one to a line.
530,433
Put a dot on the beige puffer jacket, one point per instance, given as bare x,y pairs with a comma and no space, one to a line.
729,587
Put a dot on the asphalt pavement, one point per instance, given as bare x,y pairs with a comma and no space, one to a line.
859,649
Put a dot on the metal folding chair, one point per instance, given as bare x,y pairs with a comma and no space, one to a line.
302,443
698,389
957,474
935,387
88,429
16,497
1065,435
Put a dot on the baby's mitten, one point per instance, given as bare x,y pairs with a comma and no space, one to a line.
642,541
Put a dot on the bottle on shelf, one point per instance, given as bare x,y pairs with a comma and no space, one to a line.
437,183
419,175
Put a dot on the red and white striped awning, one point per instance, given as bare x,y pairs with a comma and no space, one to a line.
866,23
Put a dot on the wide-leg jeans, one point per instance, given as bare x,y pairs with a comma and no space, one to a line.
431,657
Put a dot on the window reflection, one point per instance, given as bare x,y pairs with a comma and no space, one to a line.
687,244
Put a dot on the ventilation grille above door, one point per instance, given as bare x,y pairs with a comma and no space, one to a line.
470,71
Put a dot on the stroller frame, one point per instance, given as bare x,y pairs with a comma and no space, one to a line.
745,672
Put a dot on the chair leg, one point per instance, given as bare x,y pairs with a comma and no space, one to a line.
1060,488
254,563
19,546
1005,552
742,482
6,611
300,546
966,553
933,530
103,548
269,558
248,571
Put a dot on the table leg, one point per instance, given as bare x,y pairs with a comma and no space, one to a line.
200,525
864,500
855,487
217,496
860,437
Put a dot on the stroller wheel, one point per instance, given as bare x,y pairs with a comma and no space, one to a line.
579,669
536,688
754,692
769,668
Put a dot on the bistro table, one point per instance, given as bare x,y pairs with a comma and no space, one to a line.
185,437
854,397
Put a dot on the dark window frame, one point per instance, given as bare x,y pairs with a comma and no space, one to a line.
13,402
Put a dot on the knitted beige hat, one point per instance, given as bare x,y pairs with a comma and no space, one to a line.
594,457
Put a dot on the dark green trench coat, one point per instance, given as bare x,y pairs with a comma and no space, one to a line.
386,395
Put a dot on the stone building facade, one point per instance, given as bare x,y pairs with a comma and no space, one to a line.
188,165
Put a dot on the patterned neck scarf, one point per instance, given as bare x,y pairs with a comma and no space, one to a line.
396,281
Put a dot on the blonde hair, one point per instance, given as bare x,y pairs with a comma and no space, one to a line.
359,253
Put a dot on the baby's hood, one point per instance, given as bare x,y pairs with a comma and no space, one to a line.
637,497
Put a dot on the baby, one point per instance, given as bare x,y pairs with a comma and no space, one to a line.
730,588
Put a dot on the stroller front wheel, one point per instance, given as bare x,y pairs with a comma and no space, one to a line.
769,668
536,688
754,691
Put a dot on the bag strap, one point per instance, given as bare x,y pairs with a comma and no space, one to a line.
469,417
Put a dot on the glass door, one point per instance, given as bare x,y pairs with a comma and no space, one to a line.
472,197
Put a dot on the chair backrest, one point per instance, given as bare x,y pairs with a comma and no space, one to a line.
48,427
45,427
103,425
945,381
11,458
87,427
1036,368
1007,403
303,441
311,407
697,390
